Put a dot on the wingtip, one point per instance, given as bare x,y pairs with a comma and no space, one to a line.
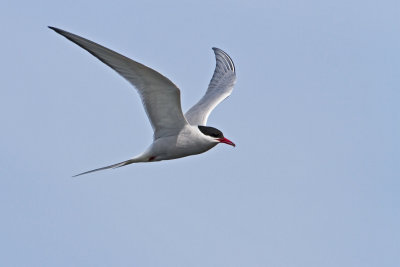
221,53
216,49
57,30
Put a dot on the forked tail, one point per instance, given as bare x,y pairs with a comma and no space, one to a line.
117,165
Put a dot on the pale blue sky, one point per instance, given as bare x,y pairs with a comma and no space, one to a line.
313,181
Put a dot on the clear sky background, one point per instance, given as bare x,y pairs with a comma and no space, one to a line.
313,181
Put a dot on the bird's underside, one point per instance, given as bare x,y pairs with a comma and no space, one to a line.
175,135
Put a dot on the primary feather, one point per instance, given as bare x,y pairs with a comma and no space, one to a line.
161,97
220,87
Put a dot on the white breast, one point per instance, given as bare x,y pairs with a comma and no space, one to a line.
188,142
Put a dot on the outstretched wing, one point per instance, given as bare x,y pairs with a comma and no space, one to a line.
161,97
220,87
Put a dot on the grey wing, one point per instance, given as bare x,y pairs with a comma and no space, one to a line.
220,87
160,96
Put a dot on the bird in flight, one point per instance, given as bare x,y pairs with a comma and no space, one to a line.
176,135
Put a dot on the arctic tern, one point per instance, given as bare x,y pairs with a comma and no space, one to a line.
175,135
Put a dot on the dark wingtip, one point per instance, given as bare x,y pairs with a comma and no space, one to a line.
216,49
225,57
57,30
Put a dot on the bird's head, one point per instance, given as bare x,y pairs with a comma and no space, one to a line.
215,135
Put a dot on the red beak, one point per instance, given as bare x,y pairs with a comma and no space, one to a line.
226,141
